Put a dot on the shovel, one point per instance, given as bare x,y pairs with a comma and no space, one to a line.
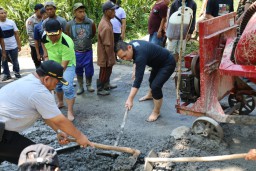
152,158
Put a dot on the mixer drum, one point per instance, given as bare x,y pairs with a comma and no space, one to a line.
245,53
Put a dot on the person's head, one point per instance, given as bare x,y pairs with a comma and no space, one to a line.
108,9
53,30
79,11
43,13
50,73
50,8
3,14
124,50
38,157
37,9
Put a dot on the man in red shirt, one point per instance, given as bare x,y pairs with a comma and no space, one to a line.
157,21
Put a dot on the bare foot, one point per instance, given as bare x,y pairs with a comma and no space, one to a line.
153,117
144,98
60,105
70,116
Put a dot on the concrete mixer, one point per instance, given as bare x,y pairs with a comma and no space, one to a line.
218,73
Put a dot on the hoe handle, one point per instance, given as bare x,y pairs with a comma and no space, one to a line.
197,159
132,151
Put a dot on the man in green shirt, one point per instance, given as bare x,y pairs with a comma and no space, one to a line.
60,48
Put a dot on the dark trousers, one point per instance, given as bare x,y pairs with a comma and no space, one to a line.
158,77
12,145
117,37
105,73
13,56
34,56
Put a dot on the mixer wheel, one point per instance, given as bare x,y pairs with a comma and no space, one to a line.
208,127
195,67
247,103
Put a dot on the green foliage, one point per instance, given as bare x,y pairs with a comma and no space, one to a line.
137,12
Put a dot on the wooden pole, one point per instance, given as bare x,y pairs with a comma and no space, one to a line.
180,53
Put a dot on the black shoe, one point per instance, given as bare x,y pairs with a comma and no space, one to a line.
6,78
17,75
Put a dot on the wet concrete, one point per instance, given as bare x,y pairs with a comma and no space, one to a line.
100,119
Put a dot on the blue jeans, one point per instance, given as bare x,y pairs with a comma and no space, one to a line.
158,41
69,90
13,55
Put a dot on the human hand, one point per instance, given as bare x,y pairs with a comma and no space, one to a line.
62,137
19,48
159,34
251,155
83,141
128,104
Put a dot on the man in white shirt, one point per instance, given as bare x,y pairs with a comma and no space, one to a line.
24,101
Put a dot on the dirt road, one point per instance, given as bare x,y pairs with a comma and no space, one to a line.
100,119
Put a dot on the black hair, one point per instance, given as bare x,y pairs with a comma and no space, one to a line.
40,72
114,1
121,45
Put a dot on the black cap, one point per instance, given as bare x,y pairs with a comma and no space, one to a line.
38,6
52,27
42,11
38,154
53,69
108,5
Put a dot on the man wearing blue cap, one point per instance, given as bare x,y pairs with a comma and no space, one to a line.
24,101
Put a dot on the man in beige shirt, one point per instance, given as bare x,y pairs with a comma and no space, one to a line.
105,49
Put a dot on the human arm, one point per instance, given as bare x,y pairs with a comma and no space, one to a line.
251,155
45,56
203,7
62,123
133,71
193,23
30,27
17,37
37,50
3,49
161,28
67,30
123,28
94,28
129,101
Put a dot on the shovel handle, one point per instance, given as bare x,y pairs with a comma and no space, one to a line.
132,151
197,159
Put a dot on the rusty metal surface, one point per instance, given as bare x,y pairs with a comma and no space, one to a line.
216,38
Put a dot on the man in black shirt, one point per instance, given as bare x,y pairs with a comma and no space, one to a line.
216,8
2,49
159,59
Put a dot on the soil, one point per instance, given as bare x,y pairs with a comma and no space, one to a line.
100,119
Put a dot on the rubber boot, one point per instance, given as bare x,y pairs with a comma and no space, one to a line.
109,86
100,89
89,84
80,89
